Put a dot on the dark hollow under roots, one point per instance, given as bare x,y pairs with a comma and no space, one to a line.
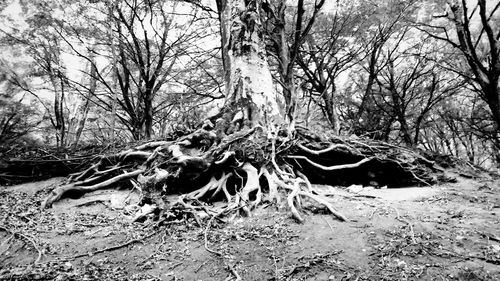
248,168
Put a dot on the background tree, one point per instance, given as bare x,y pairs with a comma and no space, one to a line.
17,117
469,27
284,45
333,47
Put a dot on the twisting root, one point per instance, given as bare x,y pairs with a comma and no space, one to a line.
222,185
273,187
331,168
225,157
273,179
205,234
60,191
322,151
291,197
215,185
251,185
159,166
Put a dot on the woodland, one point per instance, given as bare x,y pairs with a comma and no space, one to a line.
232,105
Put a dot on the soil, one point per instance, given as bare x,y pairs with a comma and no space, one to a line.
443,232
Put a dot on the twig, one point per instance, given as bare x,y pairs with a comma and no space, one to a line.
399,218
112,248
331,227
234,272
30,240
228,209
199,267
206,238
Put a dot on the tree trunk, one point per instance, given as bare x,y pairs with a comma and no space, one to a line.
328,99
368,90
84,110
493,100
59,123
148,113
114,62
250,96
286,70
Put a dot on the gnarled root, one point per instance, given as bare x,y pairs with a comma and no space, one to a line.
201,165
294,186
80,186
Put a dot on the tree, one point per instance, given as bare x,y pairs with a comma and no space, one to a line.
285,50
387,26
47,79
411,86
331,49
250,99
246,144
476,38
16,117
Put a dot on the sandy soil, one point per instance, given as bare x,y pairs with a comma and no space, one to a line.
446,232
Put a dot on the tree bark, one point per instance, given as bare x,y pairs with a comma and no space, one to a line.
83,109
250,96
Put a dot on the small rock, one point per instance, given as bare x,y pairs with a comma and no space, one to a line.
355,188
400,263
67,266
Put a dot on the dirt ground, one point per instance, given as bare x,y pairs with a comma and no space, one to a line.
445,232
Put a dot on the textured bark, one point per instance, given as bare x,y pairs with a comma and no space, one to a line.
59,120
250,95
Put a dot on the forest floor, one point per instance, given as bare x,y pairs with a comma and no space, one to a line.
443,232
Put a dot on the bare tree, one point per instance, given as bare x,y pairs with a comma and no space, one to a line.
479,48
332,48
284,49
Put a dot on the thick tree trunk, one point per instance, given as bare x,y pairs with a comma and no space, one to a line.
250,96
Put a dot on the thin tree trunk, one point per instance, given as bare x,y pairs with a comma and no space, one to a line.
84,110
58,108
148,113
328,98
114,84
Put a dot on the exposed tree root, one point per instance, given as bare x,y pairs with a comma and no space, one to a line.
115,247
245,169
26,239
